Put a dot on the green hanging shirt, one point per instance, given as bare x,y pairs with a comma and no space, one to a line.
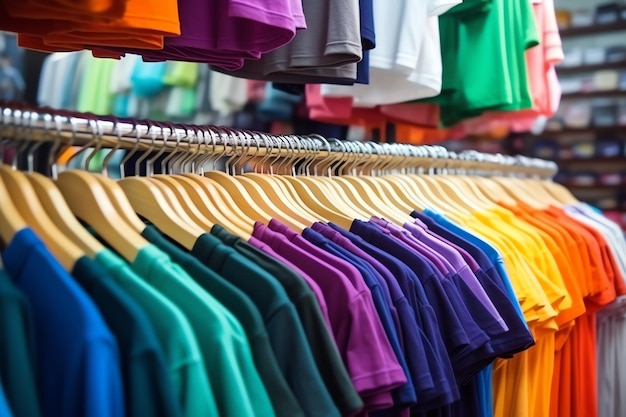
175,335
240,305
293,353
235,382
148,389
323,347
17,350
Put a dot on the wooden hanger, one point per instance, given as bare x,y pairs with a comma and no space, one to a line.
148,201
88,200
60,213
11,221
29,207
214,212
559,192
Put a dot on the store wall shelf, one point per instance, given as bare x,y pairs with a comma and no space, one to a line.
593,29
585,130
590,68
593,160
595,94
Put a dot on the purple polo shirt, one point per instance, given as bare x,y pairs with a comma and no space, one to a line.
469,259
360,337
460,267
319,295
467,343
445,389
410,334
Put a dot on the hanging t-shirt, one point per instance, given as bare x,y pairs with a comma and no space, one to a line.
77,356
349,315
235,382
148,390
404,396
17,351
329,47
283,400
176,337
293,355
323,348
435,382
4,405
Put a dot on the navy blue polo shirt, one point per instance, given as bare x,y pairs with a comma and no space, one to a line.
438,365
405,394
468,346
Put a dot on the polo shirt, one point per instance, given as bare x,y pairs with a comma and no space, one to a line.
148,389
235,382
17,350
361,340
293,354
404,395
176,337
323,348
283,400
409,333
436,384
4,405
319,295
459,266
494,257
468,346
470,291
77,356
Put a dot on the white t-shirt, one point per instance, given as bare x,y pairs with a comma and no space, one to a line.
406,63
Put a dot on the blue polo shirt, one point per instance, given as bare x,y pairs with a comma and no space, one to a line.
436,385
405,394
78,363
468,346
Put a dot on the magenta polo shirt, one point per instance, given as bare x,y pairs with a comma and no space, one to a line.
319,295
359,335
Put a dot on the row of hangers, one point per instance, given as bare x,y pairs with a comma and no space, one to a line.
235,178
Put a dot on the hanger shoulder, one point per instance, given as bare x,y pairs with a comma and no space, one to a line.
210,211
120,202
213,205
59,212
89,202
179,197
27,204
278,205
238,193
310,199
11,221
148,201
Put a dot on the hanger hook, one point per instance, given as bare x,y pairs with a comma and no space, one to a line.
118,143
167,166
153,134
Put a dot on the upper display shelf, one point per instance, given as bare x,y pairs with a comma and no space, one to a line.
620,25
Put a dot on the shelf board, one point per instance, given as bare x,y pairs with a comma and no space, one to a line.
593,160
598,187
593,29
586,130
595,94
590,68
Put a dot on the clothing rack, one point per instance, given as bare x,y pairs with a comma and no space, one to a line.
65,128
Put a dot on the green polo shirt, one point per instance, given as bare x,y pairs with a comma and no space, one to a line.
293,353
175,335
235,382
323,347
240,305
17,350
148,389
